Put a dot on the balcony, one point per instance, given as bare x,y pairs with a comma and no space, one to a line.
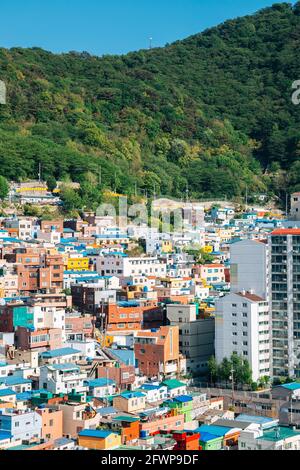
170,368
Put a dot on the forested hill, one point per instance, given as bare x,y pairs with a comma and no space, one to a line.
213,111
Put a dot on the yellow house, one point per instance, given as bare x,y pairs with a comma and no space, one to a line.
166,246
99,439
78,264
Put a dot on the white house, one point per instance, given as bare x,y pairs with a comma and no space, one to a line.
119,264
62,378
277,438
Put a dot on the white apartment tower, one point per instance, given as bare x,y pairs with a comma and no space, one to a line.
242,327
242,324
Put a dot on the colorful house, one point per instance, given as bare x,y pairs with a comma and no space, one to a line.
130,402
175,387
78,264
186,440
128,427
99,439
210,441
184,405
230,436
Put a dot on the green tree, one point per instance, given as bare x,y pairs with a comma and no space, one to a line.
71,199
213,369
4,188
51,183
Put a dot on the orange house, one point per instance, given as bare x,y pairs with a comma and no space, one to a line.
129,427
52,423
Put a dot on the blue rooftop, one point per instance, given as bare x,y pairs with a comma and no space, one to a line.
24,396
217,431
4,435
291,386
128,304
65,367
124,355
101,382
95,433
12,380
129,395
151,387
59,352
254,419
6,392
183,398
109,410
206,436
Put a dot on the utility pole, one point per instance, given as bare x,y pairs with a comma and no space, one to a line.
150,43
286,204
187,193
232,384
40,172
246,198
115,182
291,409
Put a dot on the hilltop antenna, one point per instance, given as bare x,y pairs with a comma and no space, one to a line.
150,43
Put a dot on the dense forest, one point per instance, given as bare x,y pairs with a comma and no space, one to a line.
212,113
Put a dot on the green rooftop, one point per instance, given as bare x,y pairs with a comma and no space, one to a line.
278,434
129,419
173,383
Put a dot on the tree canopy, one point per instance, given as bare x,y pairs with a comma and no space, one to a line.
213,113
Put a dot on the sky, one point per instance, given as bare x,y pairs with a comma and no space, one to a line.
112,26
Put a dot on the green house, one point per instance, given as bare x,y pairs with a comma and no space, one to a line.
184,405
210,441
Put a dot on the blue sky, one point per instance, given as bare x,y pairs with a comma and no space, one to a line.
112,26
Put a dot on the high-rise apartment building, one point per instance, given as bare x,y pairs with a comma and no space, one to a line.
284,261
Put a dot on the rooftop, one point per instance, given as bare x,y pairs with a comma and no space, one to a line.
101,434
59,352
278,433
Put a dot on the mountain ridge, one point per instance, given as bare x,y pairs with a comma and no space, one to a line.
212,111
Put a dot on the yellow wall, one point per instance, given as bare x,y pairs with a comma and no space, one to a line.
78,264
111,442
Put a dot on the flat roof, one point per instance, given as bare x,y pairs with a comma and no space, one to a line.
278,433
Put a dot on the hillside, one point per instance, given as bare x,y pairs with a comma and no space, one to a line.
213,112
